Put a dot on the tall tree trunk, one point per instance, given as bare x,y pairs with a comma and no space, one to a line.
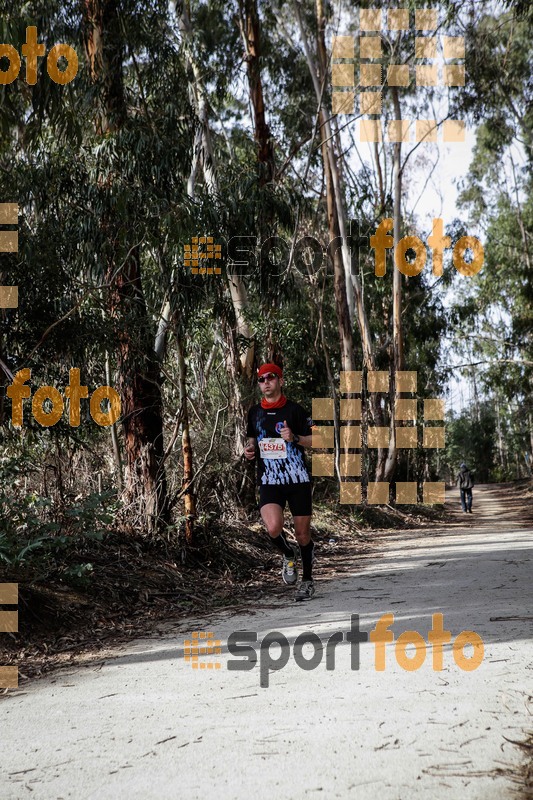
348,289
530,426
204,154
188,472
251,35
500,438
336,216
5,372
114,437
242,346
138,367
475,395
251,32
523,233
339,281
352,284
397,360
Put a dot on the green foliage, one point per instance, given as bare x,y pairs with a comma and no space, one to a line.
471,438
89,198
493,315
39,537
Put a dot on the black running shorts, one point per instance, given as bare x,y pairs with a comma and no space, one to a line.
298,495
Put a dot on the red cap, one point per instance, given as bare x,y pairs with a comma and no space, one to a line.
270,368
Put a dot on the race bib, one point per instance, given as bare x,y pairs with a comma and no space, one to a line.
273,448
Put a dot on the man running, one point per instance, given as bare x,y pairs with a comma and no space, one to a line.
278,430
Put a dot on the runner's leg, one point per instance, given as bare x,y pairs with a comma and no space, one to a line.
303,536
272,515
301,506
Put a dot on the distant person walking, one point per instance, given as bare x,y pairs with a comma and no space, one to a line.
465,483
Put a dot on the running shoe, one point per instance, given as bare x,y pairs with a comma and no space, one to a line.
305,591
289,573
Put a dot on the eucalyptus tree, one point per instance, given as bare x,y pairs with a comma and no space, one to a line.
363,195
110,157
497,314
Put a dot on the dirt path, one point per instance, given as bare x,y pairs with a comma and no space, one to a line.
147,725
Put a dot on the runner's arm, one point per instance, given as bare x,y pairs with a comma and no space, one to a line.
250,448
305,441
302,422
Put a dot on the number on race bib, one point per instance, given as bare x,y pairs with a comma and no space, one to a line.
273,448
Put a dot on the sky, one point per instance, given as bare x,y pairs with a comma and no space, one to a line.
431,183
432,192
440,200
431,186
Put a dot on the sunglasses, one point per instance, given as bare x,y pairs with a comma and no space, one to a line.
268,377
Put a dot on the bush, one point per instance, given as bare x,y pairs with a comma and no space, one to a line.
38,536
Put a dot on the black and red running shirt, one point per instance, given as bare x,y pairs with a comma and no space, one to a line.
265,424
